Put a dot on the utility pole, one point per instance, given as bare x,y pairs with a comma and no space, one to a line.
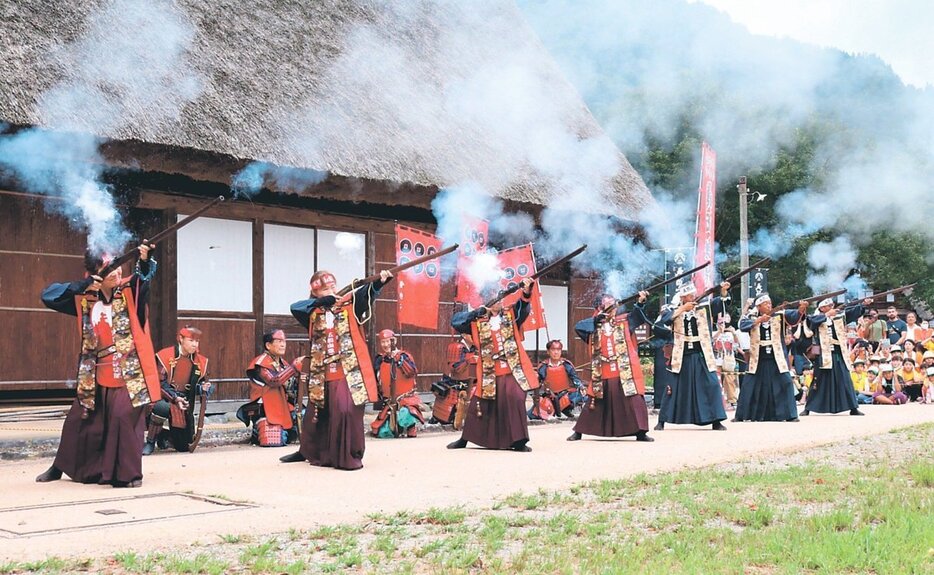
743,239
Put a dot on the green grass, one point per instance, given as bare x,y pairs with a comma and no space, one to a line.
200,563
848,516
135,563
231,538
923,474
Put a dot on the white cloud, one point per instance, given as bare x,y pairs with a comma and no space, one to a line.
898,31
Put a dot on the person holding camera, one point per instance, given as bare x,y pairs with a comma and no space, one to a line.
871,328
725,346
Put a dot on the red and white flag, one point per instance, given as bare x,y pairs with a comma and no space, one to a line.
516,264
473,242
706,219
419,287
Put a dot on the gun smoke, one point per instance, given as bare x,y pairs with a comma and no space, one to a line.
127,67
650,69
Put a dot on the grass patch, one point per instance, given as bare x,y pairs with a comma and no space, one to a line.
923,474
231,538
528,501
329,532
859,512
385,544
200,563
436,516
135,563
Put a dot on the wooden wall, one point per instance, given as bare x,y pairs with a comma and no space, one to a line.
38,348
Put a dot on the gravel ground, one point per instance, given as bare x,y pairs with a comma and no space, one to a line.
414,538
478,482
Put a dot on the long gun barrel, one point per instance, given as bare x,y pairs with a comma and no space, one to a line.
810,300
880,294
513,289
734,277
398,268
653,287
129,255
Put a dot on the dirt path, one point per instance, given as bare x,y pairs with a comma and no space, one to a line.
298,495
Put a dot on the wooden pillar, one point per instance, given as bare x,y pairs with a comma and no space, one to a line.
258,287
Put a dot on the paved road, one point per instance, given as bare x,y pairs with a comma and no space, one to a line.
298,495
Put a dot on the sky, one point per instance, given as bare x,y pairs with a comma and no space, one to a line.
898,31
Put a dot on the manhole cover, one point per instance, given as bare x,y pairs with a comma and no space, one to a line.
95,513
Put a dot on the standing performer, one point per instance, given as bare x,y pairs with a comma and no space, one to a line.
400,410
768,393
725,346
102,439
183,376
496,416
273,393
341,379
663,343
695,396
832,389
617,388
559,381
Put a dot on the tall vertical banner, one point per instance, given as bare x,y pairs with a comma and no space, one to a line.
474,235
419,287
676,261
516,264
706,218
758,282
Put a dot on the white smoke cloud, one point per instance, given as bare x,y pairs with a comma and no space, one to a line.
250,180
647,69
483,270
349,246
831,262
127,67
513,102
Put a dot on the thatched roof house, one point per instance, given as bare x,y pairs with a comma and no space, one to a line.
378,90
370,105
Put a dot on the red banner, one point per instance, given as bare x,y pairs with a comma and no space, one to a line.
516,264
419,287
706,218
473,241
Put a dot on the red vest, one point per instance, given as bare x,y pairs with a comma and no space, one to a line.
405,382
632,351
467,368
275,405
360,350
142,342
525,364
178,367
556,377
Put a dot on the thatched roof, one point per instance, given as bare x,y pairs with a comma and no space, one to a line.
379,89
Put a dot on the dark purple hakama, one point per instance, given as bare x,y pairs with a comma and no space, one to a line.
107,447
503,423
337,439
616,415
